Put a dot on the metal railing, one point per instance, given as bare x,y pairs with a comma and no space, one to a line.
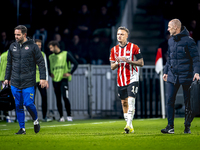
93,94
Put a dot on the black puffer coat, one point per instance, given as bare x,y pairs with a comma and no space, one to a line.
21,64
183,58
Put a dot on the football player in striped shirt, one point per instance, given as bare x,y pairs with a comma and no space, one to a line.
125,57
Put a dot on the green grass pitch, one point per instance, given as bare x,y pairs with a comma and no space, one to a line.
100,135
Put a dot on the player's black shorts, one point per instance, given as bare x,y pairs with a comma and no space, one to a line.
128,90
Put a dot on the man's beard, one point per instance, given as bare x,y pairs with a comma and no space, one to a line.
20,40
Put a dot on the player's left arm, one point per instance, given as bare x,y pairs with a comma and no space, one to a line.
139,62
73,61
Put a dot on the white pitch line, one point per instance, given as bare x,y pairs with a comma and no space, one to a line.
147,119
53,126
103,122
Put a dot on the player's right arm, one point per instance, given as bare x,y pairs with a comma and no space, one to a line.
114,65
113,60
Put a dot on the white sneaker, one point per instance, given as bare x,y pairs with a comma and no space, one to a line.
8,120
36,126
36,122
62,119
69,118
47,119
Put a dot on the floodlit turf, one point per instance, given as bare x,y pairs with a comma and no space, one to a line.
100,134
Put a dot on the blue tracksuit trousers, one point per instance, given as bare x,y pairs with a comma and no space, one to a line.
24,97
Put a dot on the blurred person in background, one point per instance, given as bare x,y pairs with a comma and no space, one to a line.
103,23
61,73
194,30
43,91
66,37
78,50
97,51
83,23
3,63
4,42
57,37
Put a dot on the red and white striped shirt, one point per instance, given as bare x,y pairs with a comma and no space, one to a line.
126,72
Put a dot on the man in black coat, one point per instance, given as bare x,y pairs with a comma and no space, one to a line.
23,55
182,67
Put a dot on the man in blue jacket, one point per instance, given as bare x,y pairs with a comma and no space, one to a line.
182,67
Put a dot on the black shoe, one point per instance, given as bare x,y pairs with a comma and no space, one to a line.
187,130
36,126
21,131
169,129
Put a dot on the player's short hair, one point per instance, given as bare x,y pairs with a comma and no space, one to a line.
123,28
22,28
38,40
54,43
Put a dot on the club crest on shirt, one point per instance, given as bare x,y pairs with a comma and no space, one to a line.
26,48
127,52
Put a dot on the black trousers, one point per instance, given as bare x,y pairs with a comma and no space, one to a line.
61,90
43,93
172,91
